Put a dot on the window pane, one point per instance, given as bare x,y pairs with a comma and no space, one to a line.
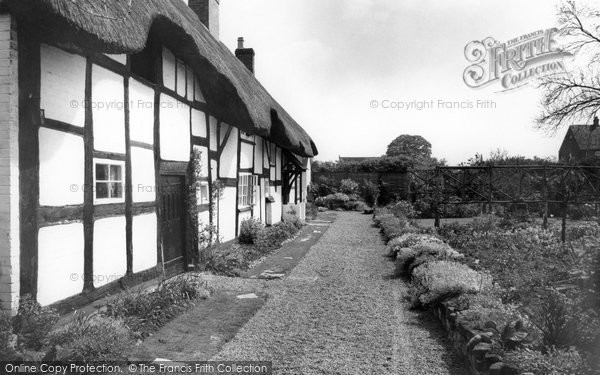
101,172
116,173
116,190
101,190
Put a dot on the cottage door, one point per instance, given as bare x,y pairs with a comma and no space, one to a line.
173,217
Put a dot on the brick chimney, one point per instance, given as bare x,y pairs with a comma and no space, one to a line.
208,12
245,55
595,125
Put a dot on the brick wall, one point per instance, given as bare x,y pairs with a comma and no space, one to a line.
9,164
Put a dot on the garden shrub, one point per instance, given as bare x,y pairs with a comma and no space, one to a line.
33,323
436,281
333,201
92,338
361,207
554,362
349,187
403,209
272,237
7,339
311,211
422,252
370,192
409,240
249,230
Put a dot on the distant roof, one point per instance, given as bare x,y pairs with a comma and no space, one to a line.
586,138
356,159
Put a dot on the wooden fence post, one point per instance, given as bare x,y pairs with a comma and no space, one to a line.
545,195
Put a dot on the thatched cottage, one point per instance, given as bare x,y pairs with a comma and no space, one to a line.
103,105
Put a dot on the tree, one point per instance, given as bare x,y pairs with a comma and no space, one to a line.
412,146
574,96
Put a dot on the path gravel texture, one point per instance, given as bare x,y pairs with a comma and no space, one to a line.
340,312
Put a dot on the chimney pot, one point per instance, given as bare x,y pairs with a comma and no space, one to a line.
245,55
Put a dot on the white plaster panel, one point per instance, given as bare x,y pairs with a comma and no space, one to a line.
60,263
229,160
142,175
213,133
169,68
277,206
227,207
62,168
272,174
198,96
174,129
62,85
203,160
278,164
181,80
110,251
223,132
190,83
108,95
214,169
198,123
145,255
141,112
258,156
246,155
266,163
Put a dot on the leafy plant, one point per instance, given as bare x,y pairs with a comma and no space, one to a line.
250,230
33,323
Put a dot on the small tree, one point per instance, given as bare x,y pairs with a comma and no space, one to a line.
412,146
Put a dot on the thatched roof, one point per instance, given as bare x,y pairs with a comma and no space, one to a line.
124,26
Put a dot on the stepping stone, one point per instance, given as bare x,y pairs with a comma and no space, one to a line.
317,231
247,296
289,258
305,239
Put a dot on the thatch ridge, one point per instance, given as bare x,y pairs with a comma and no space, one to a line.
124,26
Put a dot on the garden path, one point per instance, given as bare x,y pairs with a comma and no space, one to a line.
340,312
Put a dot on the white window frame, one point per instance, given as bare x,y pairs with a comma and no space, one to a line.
110,163
247,190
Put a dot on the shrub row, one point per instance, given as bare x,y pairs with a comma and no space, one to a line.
493,337
255,242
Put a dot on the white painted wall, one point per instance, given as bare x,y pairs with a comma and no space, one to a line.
110,250
258,156
142,175
277,206
246,155
198,123
190,84
266,155
141,112
174,129
60,263
228,162
181,80
145,255
169,67
108,111
227,207
214,169
213,133
278,166
203,160
62,88
198,96
62,168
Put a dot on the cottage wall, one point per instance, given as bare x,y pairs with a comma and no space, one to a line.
138,132
9,164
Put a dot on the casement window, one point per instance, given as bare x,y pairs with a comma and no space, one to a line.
109,181
204,193
246,190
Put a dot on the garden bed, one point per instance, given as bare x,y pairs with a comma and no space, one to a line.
513,299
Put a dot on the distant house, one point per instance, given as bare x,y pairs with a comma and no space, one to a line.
581,142
356,159
103,107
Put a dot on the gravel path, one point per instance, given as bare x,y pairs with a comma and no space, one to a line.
339,312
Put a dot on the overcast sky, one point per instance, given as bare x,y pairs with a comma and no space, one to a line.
326,60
